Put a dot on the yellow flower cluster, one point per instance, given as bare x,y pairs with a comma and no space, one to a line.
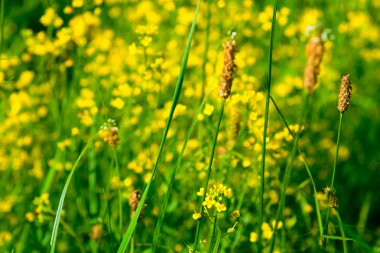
42,209
215,196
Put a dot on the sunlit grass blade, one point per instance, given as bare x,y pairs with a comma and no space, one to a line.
266,116
172,178
319,217
62,200
127,236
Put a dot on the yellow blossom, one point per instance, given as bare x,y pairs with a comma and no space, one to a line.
208,110
117,103
196,216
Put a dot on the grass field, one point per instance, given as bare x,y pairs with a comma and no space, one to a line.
139,126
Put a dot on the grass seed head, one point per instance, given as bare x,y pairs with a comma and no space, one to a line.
134,201
314,51
229,67
344,94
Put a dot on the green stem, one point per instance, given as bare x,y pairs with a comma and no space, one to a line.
267,96
172,178
319,217
209,173
288,171
337,150
334,169
213,237
342,232
61,201
119,192
93,200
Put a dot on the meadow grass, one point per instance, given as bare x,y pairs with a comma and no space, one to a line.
266,119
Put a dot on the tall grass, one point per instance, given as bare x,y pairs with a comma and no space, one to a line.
62,200
172,178
266,120
288,169
127,236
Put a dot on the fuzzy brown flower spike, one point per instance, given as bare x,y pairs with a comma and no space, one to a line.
344,93
229,68
314,51
134,201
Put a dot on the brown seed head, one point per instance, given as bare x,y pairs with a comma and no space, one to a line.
344,93
229,68
96,232
314,51
112,137
332,200
134,201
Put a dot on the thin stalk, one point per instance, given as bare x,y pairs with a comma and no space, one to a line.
337,150
109,219
127,236
319,217
207,42
342,232
209,173
117,170
92,182
334,169
62,200
172,178
288,171
266,116
213,237
119,192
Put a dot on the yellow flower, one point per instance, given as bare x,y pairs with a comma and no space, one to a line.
117,103
220,207
75,131
208,110
196,216
201,192
209,202
77,3
253,237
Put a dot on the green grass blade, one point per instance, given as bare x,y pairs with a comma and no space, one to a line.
334,168
288,169
171,183
127,236
332,237
217,242
319,217
342,232
62,200
267,96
